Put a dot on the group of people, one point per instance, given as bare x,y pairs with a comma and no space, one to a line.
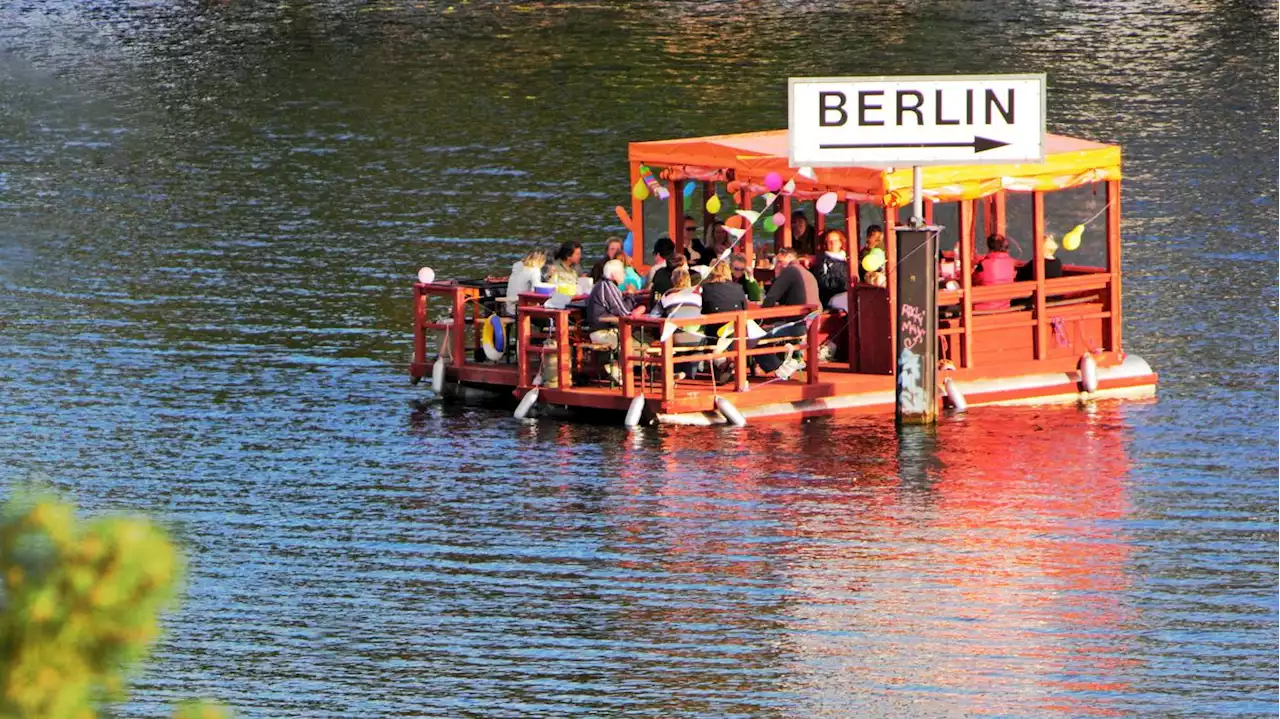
707,278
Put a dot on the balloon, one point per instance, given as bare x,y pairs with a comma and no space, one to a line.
689,187
629,243
640,191
1071,240
779,220
773,182
826,203
769,224
688,203
623,217
735,221
713,204
874,260
426,274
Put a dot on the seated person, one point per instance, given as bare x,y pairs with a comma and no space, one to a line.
633,282
874,239
663,249
563,273
679,302
743,278
832,268
802,234
661,281
525,274
607,301
792,285
1052,265
612,248
722,293
997,267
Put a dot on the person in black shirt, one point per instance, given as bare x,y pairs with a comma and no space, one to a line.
832,267
1052,265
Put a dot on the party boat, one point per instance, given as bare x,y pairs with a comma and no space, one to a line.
1047,340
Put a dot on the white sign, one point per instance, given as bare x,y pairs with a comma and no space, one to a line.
903,121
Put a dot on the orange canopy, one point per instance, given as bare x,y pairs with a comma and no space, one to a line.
1068,162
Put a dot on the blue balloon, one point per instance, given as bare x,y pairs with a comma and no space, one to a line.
689,188
628,243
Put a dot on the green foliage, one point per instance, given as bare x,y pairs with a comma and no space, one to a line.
80,607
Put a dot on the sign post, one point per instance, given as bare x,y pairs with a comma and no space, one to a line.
916,121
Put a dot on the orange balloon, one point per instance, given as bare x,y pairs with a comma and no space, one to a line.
737,221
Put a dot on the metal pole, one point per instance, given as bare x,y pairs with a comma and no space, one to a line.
917,197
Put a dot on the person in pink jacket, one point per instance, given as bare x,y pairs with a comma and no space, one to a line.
997,267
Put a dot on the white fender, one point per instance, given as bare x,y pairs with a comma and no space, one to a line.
633,412
730,412
437,376
526,404
954,394
1088,373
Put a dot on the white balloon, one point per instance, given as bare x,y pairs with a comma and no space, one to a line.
426,275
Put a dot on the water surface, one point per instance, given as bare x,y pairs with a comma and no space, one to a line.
211,216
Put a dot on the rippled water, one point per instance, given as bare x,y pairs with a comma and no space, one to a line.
211,214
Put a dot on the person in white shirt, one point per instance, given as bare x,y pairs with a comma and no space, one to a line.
525,274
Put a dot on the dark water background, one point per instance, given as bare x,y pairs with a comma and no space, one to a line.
211,213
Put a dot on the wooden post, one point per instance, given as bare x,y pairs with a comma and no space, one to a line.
1037,257
624,352
668,372
522,349
563,351
708,189
786,228
852,228
459,329
967,219
419,330
811,350
747,245
637,220
675,215
928,212
740,355
1113,263
996,219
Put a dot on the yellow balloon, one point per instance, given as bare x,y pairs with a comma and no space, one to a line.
873,261
1071,240
640,191
713,204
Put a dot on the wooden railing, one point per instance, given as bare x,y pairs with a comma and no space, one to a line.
459,297
559,333
738,351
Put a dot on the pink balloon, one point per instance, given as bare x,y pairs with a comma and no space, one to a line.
779,219
773,182
826,203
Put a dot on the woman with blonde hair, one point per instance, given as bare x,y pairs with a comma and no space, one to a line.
525,273
679,302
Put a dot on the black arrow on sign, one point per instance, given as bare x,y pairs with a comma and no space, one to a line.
979,144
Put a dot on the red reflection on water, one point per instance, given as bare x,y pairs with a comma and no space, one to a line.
976,566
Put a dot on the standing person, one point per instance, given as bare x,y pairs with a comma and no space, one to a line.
874,240
524,274
997,267
792,285
612,248
564,271
832,271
